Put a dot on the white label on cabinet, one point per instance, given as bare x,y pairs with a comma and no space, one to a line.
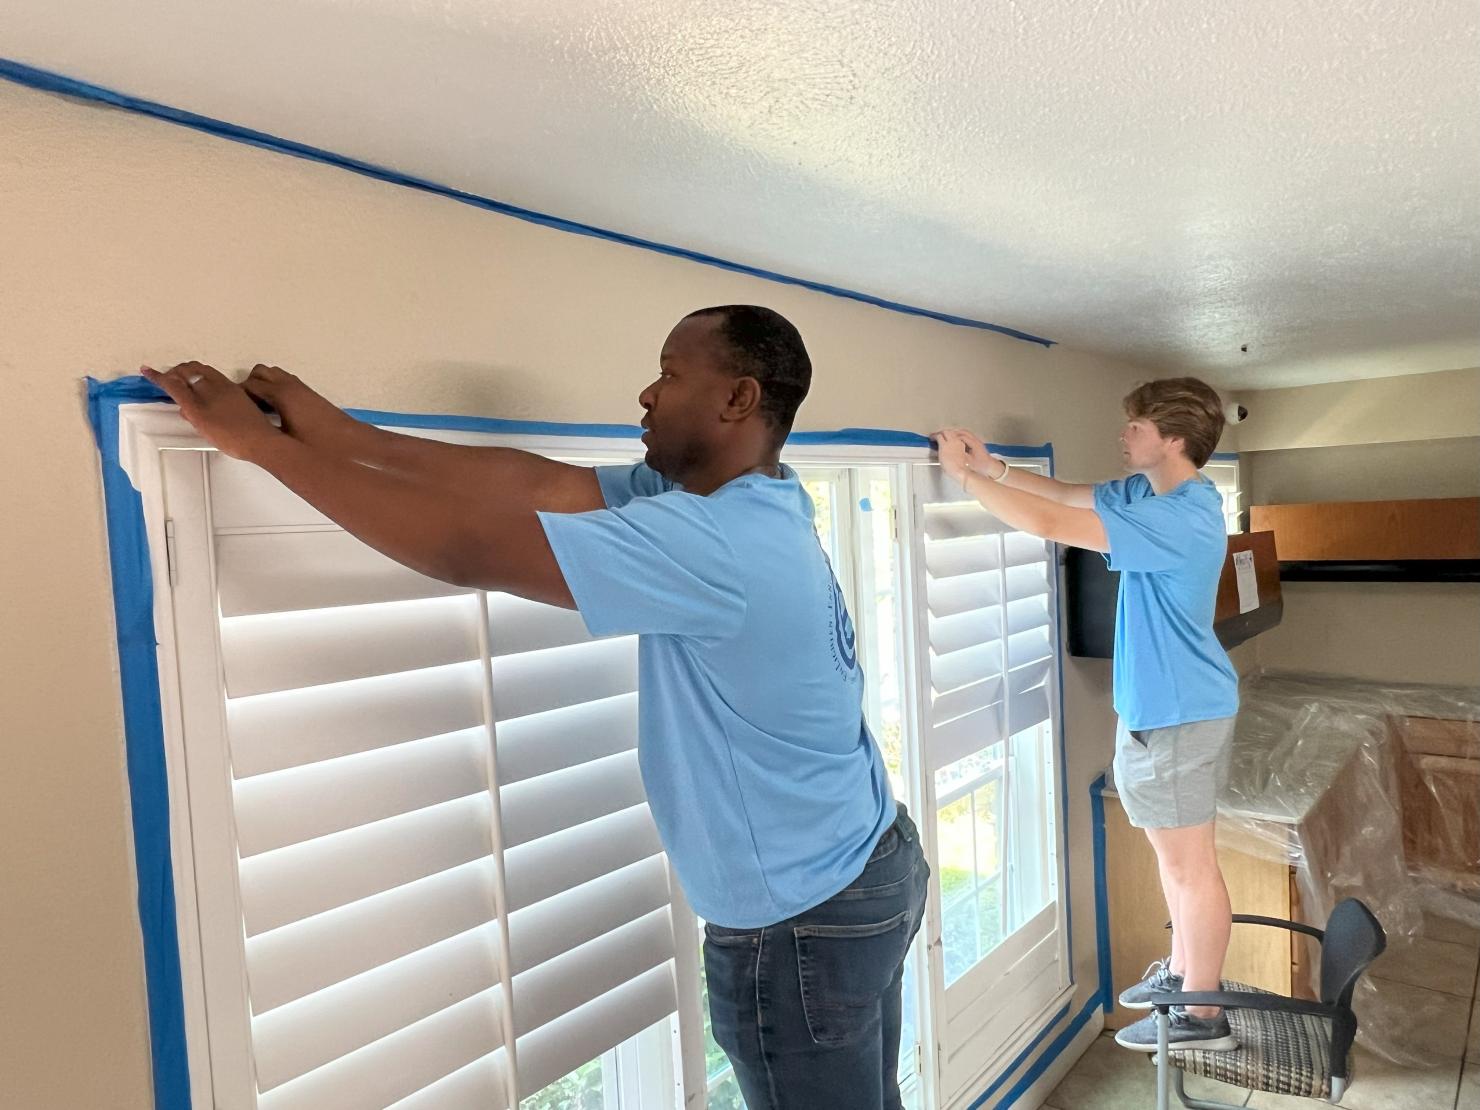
1248,584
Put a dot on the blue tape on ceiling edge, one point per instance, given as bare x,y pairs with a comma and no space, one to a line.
1102,894
143,730
46,81
1223,456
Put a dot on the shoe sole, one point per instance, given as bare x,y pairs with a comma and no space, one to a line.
1214,1044
1124,1005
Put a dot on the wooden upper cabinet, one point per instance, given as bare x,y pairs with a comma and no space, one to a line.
1377,531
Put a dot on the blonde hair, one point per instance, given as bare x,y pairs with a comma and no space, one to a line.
1183,408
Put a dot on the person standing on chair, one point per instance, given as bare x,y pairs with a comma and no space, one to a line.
1176,694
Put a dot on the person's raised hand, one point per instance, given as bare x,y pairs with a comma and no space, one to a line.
954,453
217,407
306,414
983,462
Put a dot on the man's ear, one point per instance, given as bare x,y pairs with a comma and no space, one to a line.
745,399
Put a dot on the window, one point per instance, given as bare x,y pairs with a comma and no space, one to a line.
984,616
413,861
425,867
1223,472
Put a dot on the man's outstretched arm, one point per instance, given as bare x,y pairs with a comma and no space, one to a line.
516,477
481,535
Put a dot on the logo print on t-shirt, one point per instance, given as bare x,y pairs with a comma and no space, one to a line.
846,641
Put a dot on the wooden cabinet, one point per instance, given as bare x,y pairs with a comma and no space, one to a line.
1434,528
1439,775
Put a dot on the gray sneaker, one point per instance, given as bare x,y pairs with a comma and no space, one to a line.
1159,979
1187,1034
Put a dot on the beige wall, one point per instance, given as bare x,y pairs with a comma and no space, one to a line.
1376,410
124,241
1368,472
1409,632
1383,631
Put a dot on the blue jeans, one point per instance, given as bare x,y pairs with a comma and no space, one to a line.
808,1010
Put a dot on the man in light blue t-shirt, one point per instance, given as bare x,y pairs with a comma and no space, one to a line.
1176,693
768,791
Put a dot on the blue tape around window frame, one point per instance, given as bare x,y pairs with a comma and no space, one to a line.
47,81
133,605
1102,893
143,730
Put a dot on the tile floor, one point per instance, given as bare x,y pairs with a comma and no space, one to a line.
1430,980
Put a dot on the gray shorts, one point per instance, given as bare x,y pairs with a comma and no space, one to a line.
1170,778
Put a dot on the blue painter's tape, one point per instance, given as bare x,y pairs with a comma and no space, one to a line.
1102,894
35,78
1019,1058
1050,1055
494,425
1224,456
143,730
138,389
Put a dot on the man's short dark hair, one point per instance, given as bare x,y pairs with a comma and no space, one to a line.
766,346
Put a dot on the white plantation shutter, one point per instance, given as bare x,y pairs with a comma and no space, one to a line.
963,619
411,803
1028,578
985,635
988,626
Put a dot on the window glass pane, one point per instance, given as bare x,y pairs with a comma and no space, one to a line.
724,1094
716,1063
582,1089
1032,845
878,563
988,830
823,489
969,844
952,777
910,1025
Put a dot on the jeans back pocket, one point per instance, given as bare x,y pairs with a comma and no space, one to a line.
844,972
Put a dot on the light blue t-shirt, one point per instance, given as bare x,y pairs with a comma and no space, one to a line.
765,784
1170,668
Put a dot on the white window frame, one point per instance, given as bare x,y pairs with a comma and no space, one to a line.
1226,474
148,431
220,1058
1005,999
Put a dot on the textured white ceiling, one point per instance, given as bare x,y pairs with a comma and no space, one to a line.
1161,180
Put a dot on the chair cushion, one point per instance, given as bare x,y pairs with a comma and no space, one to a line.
1286,1054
